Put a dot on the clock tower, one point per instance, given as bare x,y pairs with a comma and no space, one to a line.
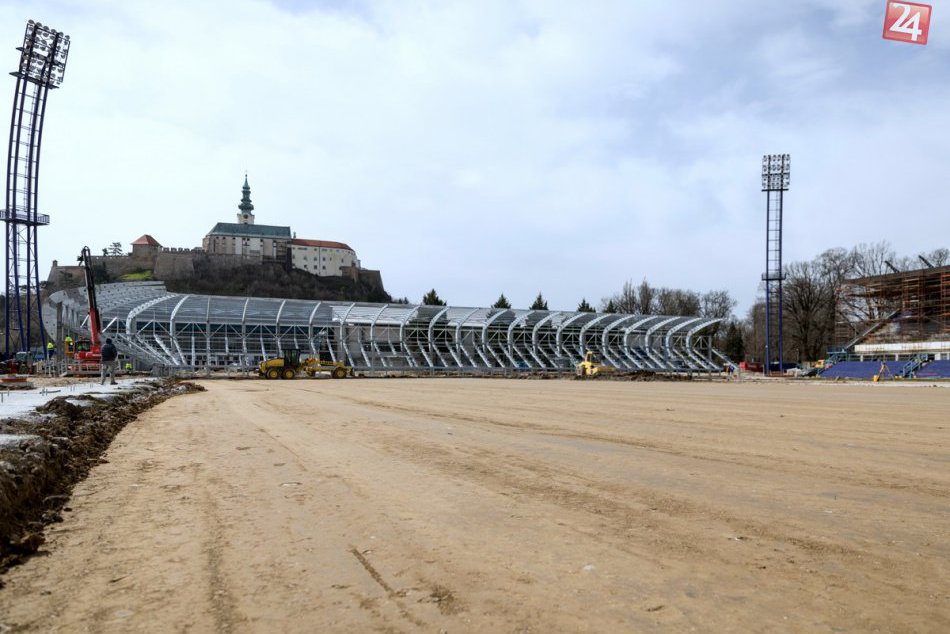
246,209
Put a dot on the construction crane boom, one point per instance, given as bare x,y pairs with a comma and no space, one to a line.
95,325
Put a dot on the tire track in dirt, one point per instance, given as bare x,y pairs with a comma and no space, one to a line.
270,405
657,520
224,604
642,511
766,462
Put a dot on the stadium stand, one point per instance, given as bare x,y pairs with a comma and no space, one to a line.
862,369
935,370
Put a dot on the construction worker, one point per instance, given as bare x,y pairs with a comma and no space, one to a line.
128,366
68,346
50,350
109,361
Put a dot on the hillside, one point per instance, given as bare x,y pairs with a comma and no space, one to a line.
273,280
204,276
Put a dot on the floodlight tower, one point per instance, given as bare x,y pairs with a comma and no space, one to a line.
42,65
776,171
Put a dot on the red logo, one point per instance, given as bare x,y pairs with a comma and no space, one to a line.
907,22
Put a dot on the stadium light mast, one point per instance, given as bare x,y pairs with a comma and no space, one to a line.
776,169
42,65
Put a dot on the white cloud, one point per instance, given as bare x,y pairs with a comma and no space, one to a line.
481,147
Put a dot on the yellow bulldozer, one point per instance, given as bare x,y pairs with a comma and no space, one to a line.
593,366
290,365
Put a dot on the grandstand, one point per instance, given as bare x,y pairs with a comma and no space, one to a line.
901,318
865,369
157,327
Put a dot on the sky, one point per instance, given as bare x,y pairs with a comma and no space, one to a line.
481,147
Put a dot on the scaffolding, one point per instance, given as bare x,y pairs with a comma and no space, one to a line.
159,328
908,306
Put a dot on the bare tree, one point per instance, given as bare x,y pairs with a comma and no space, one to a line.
753,335
938,257
716,304
632,300
646,297
871,259
649,300
627,301
807,297
675,301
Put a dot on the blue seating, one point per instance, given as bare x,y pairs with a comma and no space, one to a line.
935,370
862,369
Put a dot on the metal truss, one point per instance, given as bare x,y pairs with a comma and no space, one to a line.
776,170
42,64
206,331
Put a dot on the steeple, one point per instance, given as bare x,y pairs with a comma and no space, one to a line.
246,215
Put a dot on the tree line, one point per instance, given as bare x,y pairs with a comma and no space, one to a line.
641,299
812,301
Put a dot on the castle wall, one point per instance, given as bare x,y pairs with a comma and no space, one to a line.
176,264
173,265
367,276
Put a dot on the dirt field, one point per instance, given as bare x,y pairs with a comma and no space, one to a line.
508,506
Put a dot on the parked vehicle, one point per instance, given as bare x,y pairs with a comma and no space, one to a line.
593,366
289,365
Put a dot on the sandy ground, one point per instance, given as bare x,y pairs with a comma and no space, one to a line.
466,505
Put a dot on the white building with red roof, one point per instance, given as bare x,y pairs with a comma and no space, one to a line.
267,242
322,257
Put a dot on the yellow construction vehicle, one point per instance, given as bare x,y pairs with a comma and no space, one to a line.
289,365
593,365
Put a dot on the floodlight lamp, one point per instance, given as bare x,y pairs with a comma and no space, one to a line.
43,55
776,172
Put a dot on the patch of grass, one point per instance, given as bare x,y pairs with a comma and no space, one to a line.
141,276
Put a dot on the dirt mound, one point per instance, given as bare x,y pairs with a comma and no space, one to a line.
57,450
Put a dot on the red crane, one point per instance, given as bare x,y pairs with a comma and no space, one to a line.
88,352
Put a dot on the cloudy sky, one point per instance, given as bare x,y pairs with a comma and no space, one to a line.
487,146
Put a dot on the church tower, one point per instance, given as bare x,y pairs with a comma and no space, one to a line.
246,214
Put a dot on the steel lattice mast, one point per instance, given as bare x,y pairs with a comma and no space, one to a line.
776,171
42,65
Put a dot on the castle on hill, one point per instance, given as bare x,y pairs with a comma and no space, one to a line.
232,244
277,243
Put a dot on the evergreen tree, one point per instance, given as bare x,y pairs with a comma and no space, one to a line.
733,346
539,303
432,299
610,307
584,307
501,302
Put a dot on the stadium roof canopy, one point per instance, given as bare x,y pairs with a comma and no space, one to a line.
196,331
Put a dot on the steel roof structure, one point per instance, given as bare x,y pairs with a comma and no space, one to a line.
157,327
